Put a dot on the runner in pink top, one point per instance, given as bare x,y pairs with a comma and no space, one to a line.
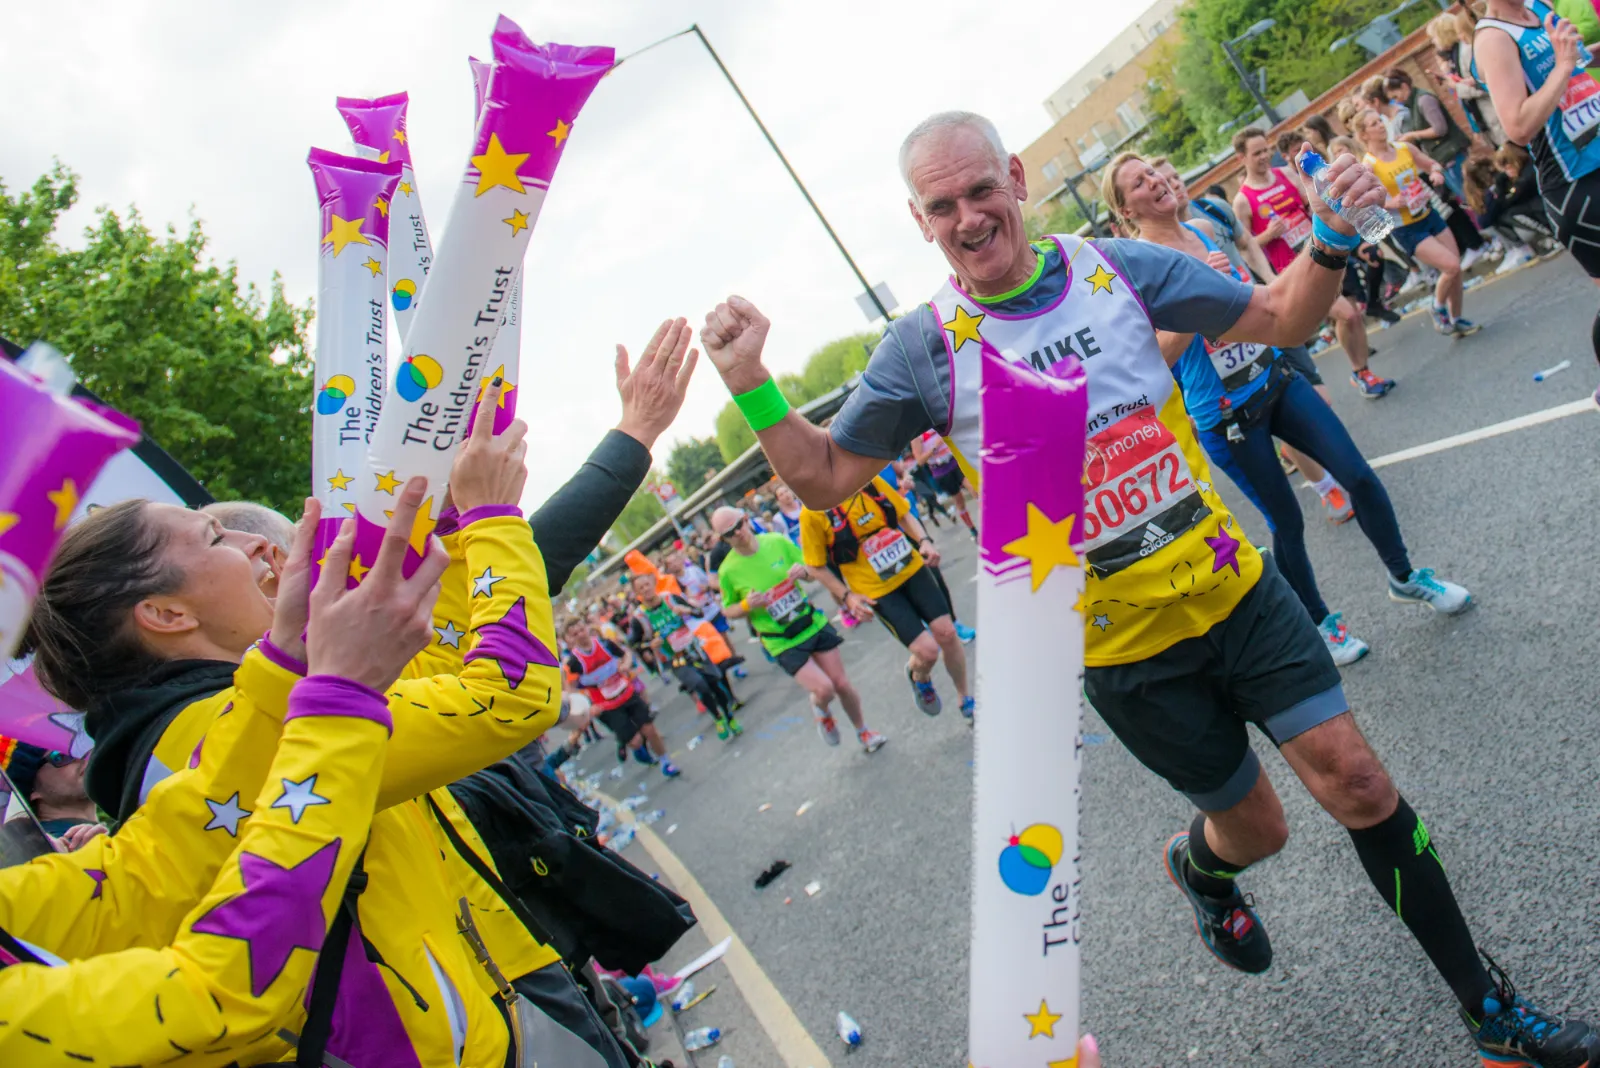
1275,206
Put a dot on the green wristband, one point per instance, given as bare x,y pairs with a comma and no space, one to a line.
763,407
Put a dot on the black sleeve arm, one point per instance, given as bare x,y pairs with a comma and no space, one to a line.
568,526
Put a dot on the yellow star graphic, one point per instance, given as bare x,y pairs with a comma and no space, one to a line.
506,387
964,328
1047,545
405,187
388,483
374,266
7,521
560,132
518,222
1101,279
1043,1022
383,207
358,572
1083,602
400,135
383,157
345,232
498,167
339,480
65,499
421,527
349,507
1070,1062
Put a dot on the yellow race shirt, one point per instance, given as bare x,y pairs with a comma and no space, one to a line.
1401,177
885,556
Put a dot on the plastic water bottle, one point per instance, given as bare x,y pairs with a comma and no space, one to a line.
621,840
849,1030
701,1038
1373,222
653,816
682,996
724,1061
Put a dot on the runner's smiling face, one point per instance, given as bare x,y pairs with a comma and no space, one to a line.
969,202
223,572
1146,194
1257,157
1179,190
1374,134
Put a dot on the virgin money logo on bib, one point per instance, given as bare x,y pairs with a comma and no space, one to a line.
1141,495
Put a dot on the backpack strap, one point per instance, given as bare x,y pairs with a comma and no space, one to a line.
487,874
313,1041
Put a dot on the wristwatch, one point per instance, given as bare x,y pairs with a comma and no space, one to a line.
1333,260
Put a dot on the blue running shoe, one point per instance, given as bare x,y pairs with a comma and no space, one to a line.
1441,319
1228,927
926,697
1512,1033
1424,588
1345,647
969,709
1370,385
1464,328
643,756
670,770
965,633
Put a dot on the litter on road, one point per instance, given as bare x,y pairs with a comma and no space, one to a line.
803,809
813,889
765,878
706,959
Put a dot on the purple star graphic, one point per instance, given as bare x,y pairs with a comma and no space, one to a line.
279,911
99,878
194,757
1226,548
510,644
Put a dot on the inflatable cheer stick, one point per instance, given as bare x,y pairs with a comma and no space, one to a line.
378,127
507,358
534,97
55,446
1026,884
351,328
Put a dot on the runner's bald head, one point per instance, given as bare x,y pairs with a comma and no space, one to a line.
725,519
939,127
248,517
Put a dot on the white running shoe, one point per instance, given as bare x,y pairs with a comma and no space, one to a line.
828,729
1516,258
1345,647
1426,589
1471,256
871,740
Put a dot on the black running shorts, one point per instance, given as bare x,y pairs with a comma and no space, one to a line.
1299,357
951,482
1574,211
625,720
796,657
1183,711
908,608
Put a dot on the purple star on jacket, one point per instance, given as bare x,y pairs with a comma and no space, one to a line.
1226,548
511,644
99,878
279,911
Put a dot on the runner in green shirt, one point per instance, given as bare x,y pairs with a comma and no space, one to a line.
759,580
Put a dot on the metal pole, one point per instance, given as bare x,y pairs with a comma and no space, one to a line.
786,166
1250,85
1072,187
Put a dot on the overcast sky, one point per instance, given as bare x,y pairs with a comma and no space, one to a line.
667,198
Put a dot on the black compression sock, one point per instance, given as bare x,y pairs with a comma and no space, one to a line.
1402,863
1594,335
1207,872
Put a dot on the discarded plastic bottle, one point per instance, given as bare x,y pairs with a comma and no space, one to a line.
849,1030
724,1061
632,803
1372,222
682,996
701,1038
650,817
621,840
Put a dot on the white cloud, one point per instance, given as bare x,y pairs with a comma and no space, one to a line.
667,200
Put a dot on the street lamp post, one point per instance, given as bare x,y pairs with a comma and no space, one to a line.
1244,79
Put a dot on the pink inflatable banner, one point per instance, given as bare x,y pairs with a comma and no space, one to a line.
507,358
55,448
534,95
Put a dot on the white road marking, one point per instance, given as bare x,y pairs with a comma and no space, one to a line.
1494,430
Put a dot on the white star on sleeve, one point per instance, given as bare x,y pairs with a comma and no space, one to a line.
1102,622
483,585
449,635
225,815
299,796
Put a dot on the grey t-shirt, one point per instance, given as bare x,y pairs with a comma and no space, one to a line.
905,389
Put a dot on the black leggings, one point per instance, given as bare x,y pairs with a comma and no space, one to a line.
1574,210
706,683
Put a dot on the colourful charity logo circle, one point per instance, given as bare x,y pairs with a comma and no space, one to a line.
1025,863
334,392
416,376
405,291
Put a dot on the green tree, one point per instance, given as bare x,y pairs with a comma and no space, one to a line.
734,435
217,373
824,371
642,510
689,461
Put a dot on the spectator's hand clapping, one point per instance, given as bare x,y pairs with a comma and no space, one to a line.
290,609
490,468
369,634
654,391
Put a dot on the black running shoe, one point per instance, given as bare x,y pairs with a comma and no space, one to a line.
1228,926
1511,1033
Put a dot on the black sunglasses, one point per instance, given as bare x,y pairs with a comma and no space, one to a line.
727,535
57,759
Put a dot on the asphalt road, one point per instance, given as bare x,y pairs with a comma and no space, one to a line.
1486,721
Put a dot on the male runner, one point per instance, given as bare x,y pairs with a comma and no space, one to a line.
897,473
760,581
667,619
882,573
1280,218
930,449
604,672
1192,633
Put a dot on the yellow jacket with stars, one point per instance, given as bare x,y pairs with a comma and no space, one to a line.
506,693
243,955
